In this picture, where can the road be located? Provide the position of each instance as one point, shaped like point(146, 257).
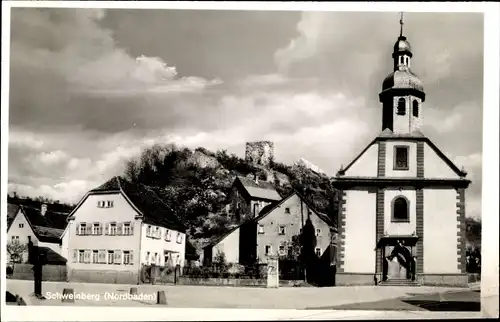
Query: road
point(183, 296)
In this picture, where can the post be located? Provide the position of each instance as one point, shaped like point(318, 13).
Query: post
point(273, 272)
point(39, 259)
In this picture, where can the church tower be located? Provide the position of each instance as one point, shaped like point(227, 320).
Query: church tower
point(402, 92)
point(401, 199)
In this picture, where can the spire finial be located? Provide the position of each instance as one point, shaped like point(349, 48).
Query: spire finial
point(401, 22)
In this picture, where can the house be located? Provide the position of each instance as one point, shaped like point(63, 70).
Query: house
point(42, 226)
point(248, 196)
point(278, 224)
point(271, 232)
point(117, 228)
point(402, 214)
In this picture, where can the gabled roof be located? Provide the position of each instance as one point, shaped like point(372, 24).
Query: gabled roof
point(12, 211)
point(45, 227)
point(259, 189)
point(217, 239)
point(143, 199)
point(269, 210)
point(417, 135)
point(53, 258)
point(47, 234)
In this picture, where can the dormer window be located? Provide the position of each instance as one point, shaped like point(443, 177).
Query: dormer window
point(401, 109)
point(415, 108)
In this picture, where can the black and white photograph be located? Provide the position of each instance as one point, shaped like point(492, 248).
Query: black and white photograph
point(325, 160)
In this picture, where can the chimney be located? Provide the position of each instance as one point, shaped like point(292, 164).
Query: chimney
point(43, 209)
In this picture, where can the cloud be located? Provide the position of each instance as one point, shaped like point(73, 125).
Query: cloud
point(90, 89)
point(66, 68)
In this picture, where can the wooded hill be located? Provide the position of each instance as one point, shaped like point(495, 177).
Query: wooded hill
point(196, 183)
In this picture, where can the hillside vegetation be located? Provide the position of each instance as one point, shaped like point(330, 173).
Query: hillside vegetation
point(196, 183)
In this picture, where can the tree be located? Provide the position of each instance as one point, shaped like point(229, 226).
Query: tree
point(220, 261)
point(16, 251)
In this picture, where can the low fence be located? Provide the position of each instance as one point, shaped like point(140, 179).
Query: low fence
point(53, 273)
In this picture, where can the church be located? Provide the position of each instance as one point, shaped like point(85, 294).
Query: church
point(402, 201)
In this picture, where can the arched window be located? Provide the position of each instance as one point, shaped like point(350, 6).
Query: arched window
point(400, 209)
point(401, 106)
point(415, 108)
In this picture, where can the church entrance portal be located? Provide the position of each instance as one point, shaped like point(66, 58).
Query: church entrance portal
point(398, 262)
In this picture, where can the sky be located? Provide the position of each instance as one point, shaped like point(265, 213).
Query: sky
point(91, 88)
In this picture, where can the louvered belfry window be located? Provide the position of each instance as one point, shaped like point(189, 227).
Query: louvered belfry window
point(401, 110)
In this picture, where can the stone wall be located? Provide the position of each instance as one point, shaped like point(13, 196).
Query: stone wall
point(183, 280)
point(103, 276)
point(260, 153)
point(53, 273)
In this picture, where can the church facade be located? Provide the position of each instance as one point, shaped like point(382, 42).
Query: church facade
point(402, 201)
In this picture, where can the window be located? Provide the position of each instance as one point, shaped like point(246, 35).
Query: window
point(287, 210)
point(126, 257)
point(415, 108)
point(95, 256)
point(261, 229)
point(96, 229)
point(401, 106)
point(155, 258)
point(268, 249)
point(179, 238)
point(400, 209)
point(15, 238)
point(318, 232)
point(157, 232)
point(282, 249)
point(317, 251)
point(81, 256)
point(111, 257)
point(282, 230)
point(147, 258)
point(82, 229)
point(105, 204)
point(168, 235)
point(112, 228)
point(127, 228)
point(148, 231)
point(21, 225)
point(401, 158)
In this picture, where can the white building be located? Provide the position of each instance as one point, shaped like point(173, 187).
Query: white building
point(42, 226)
point(117, 228)
point(402, 209)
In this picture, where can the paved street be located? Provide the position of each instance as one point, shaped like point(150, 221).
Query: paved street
point(182, 296)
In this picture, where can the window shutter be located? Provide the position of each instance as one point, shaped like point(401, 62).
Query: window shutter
point(75, 255)
point(106, 229)
point(131, 260)
point(78, 229)
point(86, 256)
point(100, 229)
point(119, 228)
point(88, 229)
point(102, 256)
point(118, 257)
point(131, 228)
